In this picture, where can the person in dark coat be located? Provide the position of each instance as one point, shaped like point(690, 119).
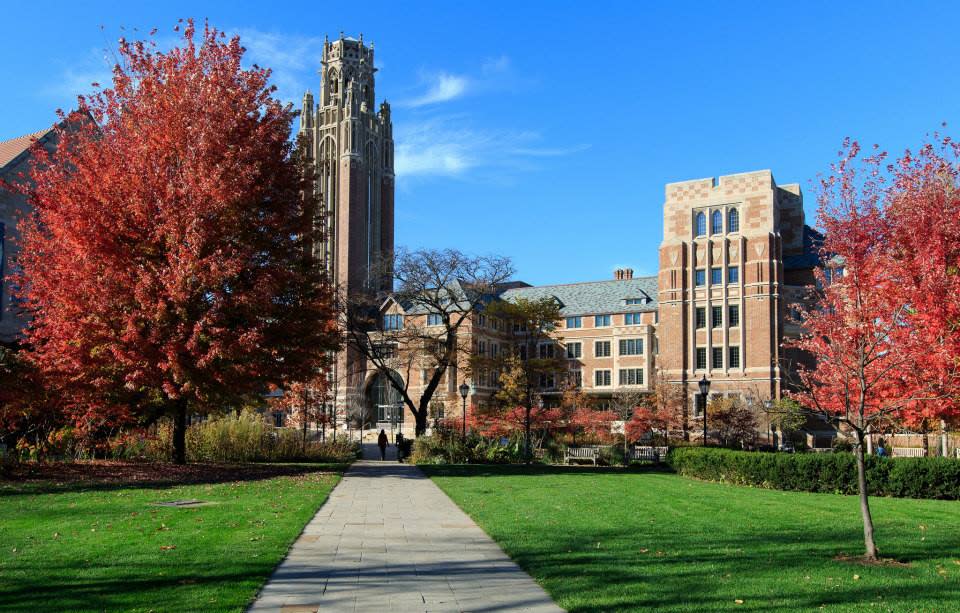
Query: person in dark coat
point(382, 444)
point(400, 447)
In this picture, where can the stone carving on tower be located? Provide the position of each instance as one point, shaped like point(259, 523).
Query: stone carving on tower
point(350, 145)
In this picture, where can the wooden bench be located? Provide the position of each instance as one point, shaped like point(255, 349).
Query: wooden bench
point(581, 454)
point(652, 454)
point(909, 452)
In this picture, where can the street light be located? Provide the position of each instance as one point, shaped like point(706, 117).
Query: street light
point(704, 390)
point(768, 407)
point(464, 390)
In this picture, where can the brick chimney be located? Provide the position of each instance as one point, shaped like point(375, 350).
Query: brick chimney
point(622, 274)
point(618, 274)
point(627, 273)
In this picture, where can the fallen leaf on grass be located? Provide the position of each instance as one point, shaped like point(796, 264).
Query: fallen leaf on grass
point(738, 601)
point(167, 547)
point(856, 577)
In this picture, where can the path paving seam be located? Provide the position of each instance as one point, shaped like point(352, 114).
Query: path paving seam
point(388, 539)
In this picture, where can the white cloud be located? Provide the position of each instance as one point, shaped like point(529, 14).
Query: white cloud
point(451, 147)
point(441, 87)
point(291, 58)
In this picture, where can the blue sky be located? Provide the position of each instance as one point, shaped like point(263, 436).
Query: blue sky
point(546, 131)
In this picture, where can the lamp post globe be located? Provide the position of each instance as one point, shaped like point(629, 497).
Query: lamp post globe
point(704, 390)
point(464, 390)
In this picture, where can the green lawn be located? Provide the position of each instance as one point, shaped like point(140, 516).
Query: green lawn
point(606, 540)
point(68, 545)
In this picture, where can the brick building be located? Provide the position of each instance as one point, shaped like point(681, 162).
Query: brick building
point(735, 253)
point(14, 159)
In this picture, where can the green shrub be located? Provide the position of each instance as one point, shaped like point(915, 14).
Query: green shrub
point(821, 472)
point(449, 448)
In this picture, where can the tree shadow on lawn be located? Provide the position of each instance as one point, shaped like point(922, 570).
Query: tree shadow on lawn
point(759, 569)
point(107, 475)
point(103, 587)
point(702, 558)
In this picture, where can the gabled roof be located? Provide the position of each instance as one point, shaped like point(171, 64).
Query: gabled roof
point(11, 149)
point(594, 297)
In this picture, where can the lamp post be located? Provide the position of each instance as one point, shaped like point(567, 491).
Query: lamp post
point(464, 390)
point(704, 390)
point(768, 408)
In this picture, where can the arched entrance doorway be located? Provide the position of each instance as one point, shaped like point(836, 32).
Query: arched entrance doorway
point(384, 402)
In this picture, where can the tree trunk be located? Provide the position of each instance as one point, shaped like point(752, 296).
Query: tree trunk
point(871, 547)
point(421, 422)
point(180, 432)
point(526, 437)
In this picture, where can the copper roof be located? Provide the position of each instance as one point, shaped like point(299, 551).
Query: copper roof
point(10, 149)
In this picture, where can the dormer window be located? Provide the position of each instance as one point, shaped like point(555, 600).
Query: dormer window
point(393, 322)
point(636, 301)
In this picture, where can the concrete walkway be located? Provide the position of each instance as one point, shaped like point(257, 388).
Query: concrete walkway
point(389, 540)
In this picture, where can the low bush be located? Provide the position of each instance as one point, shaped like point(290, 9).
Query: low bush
point(246, 437)
point(449, 448)
point(821, 472)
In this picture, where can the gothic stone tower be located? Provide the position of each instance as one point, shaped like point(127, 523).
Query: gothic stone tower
point(722, 285)
point(351, 147)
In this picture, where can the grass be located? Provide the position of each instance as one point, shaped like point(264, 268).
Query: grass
point(79, 545)
point(608, 540)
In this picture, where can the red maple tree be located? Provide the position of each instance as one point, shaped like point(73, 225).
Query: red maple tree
point(873, 361)
point(166, 263)
point(923, 227)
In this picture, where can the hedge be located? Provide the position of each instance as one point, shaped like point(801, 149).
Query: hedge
point(821, 472)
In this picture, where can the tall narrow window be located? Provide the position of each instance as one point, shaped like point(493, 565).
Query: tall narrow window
point(699, 277)
point(717, 361)
point(733, 274)
point(733, 221)
point(716, 276)
point(716, 317)
point(700, 317)
point(733, 360)
point(701, 224)
point(701, 358)
point(733, 315)
point(716, 222)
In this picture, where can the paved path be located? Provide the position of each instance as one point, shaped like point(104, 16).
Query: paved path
point(389, 540)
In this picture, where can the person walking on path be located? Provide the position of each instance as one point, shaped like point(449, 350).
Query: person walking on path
point(400, 447)
point(382, 444)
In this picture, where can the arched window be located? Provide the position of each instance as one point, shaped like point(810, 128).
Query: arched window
point(701, 224)
point(716, 222)
point(733, 221)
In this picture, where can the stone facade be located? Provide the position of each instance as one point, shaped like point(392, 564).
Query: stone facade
point(350, 145)
point(723, 284)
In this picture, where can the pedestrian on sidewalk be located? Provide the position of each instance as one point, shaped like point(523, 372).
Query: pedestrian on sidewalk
point(382, 444)
point(400, 447)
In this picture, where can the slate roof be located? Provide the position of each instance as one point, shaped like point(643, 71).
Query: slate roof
point(594, 297)
point(810, 258)
point(11, 149)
